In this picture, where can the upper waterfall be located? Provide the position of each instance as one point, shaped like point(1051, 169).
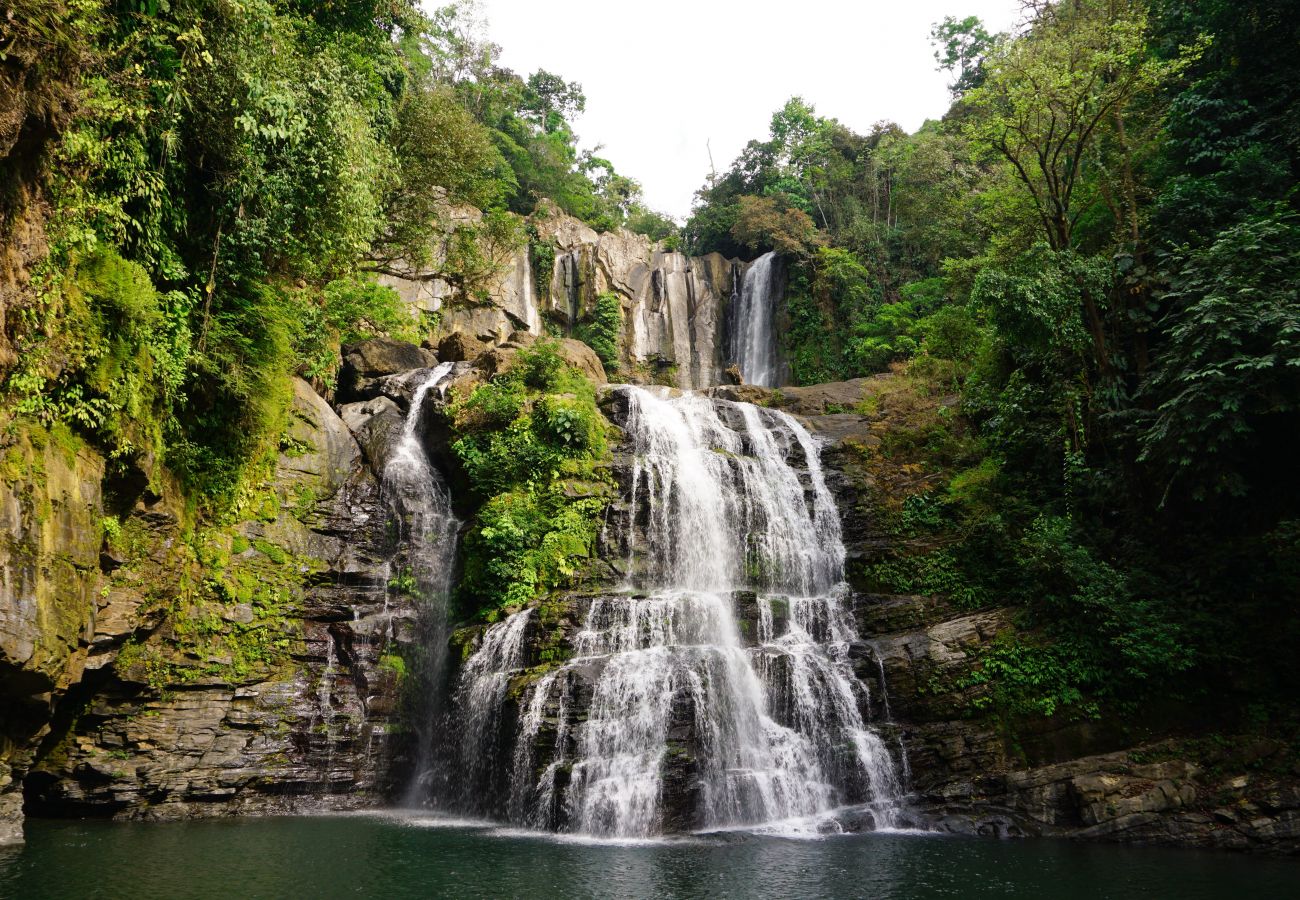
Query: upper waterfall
point(753, 336)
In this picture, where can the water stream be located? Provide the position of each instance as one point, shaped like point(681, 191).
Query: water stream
point(753, 336)
point(419, 503)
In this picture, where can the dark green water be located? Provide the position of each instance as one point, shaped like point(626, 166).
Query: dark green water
point(389, 857)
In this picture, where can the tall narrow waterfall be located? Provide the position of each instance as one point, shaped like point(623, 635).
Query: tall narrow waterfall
point(753, 335)
point(419, 503)
point(669, 715)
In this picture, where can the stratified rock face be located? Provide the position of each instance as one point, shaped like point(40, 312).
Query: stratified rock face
point(51, 507)
point(674, 306)
point(276, 690)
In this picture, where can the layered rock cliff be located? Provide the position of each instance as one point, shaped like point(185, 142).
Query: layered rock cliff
point(674, 307)
point(155, 669)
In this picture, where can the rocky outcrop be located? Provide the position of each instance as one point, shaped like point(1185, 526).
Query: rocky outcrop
point(969, 772)
point(51, 513)
point(169, 674)
point(673, 306)
point(1157, 793)
point(367, 361)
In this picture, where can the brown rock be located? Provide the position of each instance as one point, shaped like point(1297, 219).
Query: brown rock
point(575, 353)
point(460, 347)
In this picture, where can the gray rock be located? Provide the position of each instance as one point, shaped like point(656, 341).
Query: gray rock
point(367, 361)
point(377, 426)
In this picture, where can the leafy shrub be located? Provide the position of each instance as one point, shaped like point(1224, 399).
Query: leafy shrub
point(603, 328)
point(531, 444)
point(346, 310)
point(115, 358)
point(950, 332)
point(1231, 368)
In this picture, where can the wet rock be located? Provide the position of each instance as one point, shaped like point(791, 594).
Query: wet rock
point(180, 729)
point(377, 427)
point(367, 361)
point(50, 546)
point(744, 608)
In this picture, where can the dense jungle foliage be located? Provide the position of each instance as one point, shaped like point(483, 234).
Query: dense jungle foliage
point(1099, 248)
point(223, 177)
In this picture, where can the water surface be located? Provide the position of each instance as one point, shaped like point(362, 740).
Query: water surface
point(396, 856)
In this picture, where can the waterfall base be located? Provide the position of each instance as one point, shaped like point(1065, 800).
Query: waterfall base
point(626, 716)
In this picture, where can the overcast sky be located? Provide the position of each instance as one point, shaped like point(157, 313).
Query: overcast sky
point(664, 77)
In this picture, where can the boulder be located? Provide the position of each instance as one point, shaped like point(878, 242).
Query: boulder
point(575, 353)
point(367, 361)
point(460, 346)
point(377, 426)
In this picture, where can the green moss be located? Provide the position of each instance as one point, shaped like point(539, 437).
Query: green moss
point(271, 551)
point(665, 375)
point(391, 662)
point(404, 582)
point(602, 329)
point(305, 498)
point(541, 256)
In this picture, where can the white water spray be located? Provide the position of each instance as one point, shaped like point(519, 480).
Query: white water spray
point(686, 727)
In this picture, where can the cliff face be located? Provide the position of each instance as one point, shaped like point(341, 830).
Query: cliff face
point(51, 505)
point(155, 670)
point(674, 306)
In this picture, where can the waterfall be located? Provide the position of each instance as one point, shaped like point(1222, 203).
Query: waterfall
point(478, 700)
point(532, 315)
point(325, 703)
point(753, 335)
point(726, 509)
point(419, 503)
point(667, 716)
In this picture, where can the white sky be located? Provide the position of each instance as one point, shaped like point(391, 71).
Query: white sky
point(662, 77)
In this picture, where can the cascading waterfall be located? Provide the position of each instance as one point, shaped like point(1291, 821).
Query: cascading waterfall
point(690, 724)
point(419, 503)
point(753, 332)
